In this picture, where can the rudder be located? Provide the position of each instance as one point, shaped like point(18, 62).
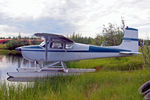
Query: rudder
point(130, 40)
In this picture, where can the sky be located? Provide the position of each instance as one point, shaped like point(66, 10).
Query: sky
point(67, 16)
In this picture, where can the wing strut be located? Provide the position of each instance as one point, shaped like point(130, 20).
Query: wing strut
point(54, 65)
point(46, 49)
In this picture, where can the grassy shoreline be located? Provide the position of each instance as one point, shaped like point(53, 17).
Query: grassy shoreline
point(117, 63)
point(102, 85)
point(115, 79)
point(9, 52)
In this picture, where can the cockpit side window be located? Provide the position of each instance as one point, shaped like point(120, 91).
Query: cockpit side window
point(56, 45)
point(68, 46)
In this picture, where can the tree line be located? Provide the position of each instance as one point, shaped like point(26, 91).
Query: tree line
point(111, 35)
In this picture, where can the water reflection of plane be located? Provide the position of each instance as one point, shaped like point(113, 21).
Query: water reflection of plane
point(26, 63)
point(59, 49)
point(1, 58)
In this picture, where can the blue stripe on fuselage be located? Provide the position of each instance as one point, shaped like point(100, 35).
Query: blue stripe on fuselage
point(58, 50)
point(33, 47)
point(91, 49)
point(101, 49)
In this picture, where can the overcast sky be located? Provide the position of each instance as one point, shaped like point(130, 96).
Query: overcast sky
point(68, 16)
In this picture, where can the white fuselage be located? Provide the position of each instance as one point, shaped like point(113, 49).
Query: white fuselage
point(77, 52)
point(59, 48)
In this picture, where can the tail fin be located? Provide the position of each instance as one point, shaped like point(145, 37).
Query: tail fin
point(130, 40)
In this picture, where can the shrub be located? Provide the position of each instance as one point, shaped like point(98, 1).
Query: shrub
point(146, 55)
point(11, 45)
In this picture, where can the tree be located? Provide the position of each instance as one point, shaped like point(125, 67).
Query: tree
point(11, 45)
point(113, 34)
point(80, 39)
point(19, 36)
point(99, 39)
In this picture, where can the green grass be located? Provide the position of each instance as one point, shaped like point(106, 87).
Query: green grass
point(2, 46)
point(122, 63)
point(115, 79)
point(102, 85)
point(9, 52)
point(4, 50)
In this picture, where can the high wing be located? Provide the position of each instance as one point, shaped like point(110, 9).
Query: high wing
point(54, 36)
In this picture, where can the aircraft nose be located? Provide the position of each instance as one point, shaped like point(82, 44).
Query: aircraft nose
point(18, 49)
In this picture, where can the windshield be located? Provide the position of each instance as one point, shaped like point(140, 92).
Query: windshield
point(42, 44)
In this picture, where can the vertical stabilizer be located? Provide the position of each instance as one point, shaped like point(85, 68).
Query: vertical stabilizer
point(130, 40)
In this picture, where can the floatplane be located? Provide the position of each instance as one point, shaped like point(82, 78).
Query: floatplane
point(58, 49)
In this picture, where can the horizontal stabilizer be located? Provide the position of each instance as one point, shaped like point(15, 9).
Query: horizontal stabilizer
point(130, 53)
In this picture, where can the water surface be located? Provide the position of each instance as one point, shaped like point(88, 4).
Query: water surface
point(9, 63)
